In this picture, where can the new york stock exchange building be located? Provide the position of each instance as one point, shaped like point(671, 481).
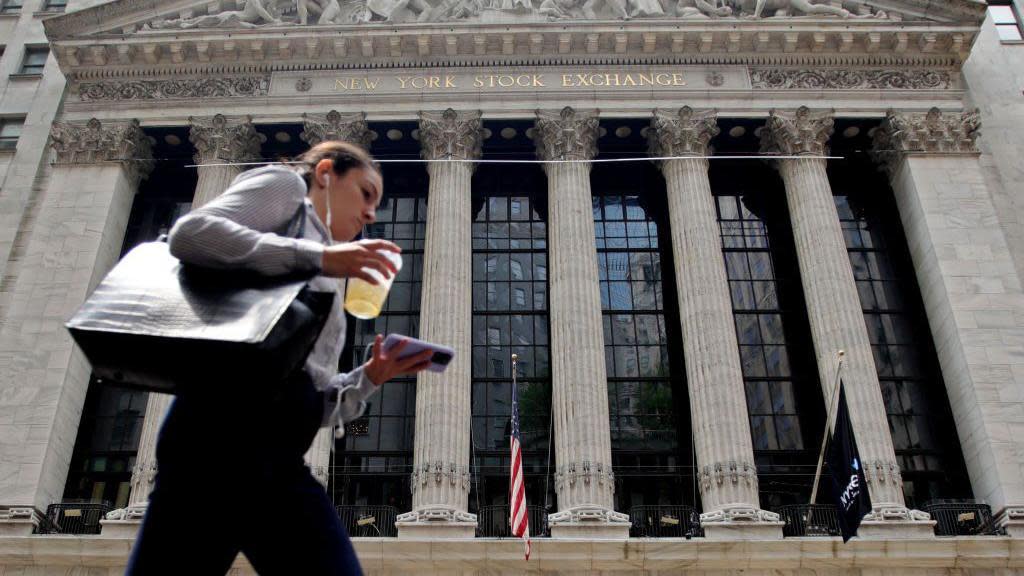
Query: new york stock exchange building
point(676, 213)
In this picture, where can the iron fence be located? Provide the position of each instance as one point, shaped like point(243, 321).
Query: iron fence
point(810, 520)
point(493, 522)
point(368, 521)
point(962, 518)
point(664, 522)
point(74, 517)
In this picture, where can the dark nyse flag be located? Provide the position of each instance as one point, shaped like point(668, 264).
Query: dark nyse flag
point(849, 488)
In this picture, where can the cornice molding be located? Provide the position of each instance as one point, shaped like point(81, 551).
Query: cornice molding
point(451, 135)
point(768, 43)
point(933, 132)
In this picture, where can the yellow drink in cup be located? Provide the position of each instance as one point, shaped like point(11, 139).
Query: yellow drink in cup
point(364, 300)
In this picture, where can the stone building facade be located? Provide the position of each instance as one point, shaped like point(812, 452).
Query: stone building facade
point(676, 214)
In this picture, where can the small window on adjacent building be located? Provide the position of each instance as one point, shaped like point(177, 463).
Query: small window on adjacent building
point(10, 6)
point(35, 59)
point(1004, 15)
point(10, 131)
point(55, 5)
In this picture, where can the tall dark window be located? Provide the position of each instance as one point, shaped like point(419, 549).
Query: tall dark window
point(510, 316)
point(374, 460)
point(922, 427)
point(783, 395)
point(111, 424)
point(649, 418)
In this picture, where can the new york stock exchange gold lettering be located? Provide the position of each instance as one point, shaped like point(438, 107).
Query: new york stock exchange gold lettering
point(498, 81)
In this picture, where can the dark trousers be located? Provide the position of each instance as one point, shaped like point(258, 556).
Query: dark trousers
point(231, 478)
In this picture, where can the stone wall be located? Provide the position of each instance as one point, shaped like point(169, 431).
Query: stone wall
point(994, 75)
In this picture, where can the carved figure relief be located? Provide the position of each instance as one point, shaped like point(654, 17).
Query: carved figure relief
point(259, 13)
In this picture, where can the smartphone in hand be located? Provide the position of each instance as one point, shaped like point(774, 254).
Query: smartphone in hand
point(442, 357)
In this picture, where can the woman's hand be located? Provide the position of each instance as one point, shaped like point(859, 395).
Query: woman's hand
point(348, 260)
point(386, 365)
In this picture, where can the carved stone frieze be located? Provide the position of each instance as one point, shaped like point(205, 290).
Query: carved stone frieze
point(319, 128)
point(566, 135)
point(730, 514)
point(802, 133)
point(585, 472)
point(850, 79)
point(220, 87)
point(451, 134)
point(94, 142)
point(276, 13)
point(223, 139)
point(933, 132)
point(588, 514)
point(682, 133)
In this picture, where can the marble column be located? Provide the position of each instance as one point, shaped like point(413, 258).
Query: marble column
point(334, 125)
point(317, 128)
point(441, 478)
point(72, 241)
point(721, 426)
point(219, 141)
point(584, 480)
point(971, 291)
point(833, 306)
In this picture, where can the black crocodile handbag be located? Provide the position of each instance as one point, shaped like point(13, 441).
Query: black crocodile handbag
point(158, 325)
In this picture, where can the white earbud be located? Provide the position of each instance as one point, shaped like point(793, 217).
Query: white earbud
point(327, 198)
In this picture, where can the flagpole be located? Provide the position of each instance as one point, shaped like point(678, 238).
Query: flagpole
point(830, 414)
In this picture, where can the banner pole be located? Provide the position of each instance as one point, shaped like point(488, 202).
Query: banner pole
point(832, 405)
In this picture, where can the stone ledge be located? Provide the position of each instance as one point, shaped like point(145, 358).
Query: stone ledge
point(48, 554)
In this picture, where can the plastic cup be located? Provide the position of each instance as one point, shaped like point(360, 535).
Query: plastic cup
point(364, 300)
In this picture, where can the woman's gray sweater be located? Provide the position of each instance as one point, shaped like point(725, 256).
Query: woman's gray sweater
point(235, 231)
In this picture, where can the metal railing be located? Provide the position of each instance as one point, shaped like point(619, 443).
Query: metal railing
point(962, 518)
point(809, 520)
point(664, 522)
point(368, 521)
point(493, 522)
point(74, 517)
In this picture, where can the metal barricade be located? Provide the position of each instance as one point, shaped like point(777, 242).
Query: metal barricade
point(368, 521)
point(74, 517)
point(664, 522)
point(809, 520)
point(962, 518)
point(493, 522)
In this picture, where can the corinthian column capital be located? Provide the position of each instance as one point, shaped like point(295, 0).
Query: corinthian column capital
point(802, 133)
point(566, 135)
point(451, 134)
point(683, 132)
point(334, 125)
point(95, 142)
point(223, 139)
point(932, 132)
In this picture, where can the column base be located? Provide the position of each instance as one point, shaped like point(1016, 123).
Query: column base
point(896, 523)
point(123, 522)
point(19, 520)
point(741, 523)
point(589, 522)
point(1011, 519)
point(436, 523)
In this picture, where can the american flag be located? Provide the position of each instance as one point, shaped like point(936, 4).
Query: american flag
point(519, 520)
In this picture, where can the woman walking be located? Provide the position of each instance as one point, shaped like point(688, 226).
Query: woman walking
point(231, 476)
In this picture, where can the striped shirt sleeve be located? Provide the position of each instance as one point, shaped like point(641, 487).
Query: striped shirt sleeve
point(237, 229)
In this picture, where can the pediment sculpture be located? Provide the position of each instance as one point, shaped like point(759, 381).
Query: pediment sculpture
point(267, 13)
